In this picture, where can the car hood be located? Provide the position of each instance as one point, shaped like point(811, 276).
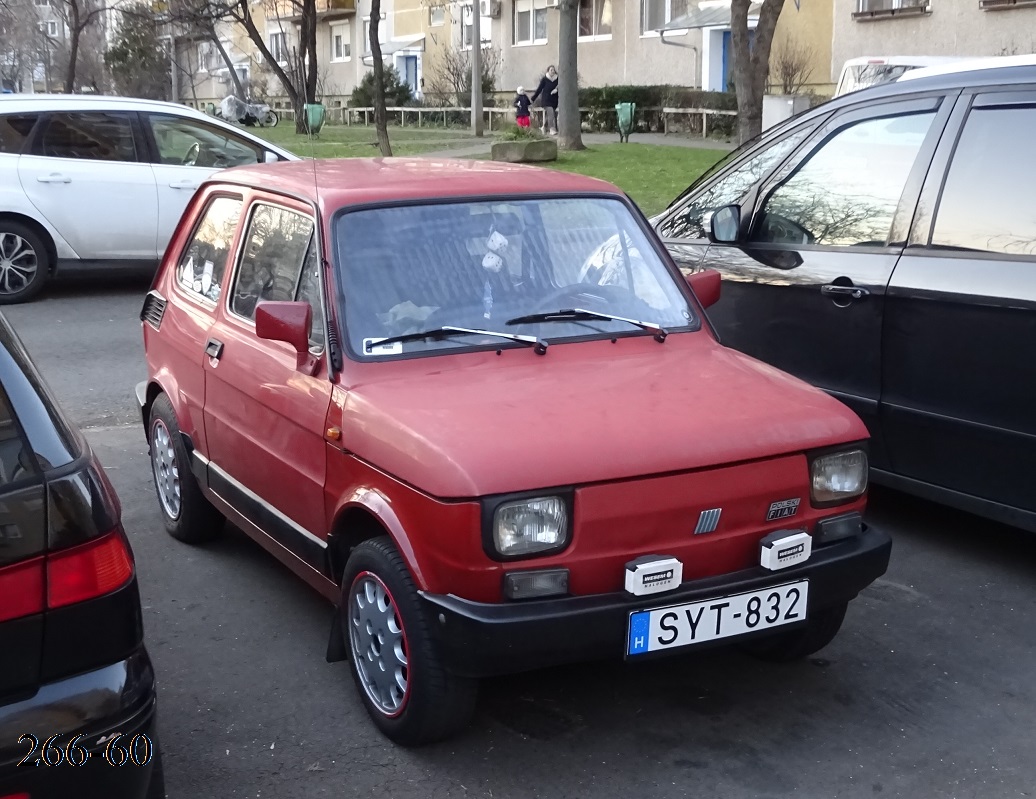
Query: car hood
point(474, 424)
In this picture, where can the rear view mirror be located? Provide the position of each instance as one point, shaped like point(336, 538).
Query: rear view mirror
point(725, 224)
point(271, 158)
point(288, 322)
point(706, 286)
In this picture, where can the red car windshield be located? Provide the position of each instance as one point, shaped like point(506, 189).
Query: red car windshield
point(482, 265)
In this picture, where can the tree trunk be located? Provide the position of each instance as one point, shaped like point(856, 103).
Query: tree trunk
point(306, 64)
point(380, 114)
point(477, 116)
point(229, 64)
point(569, 126)
point(243, 14)
point(751, 63)
point(74, 30)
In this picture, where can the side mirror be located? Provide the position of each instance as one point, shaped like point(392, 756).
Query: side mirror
point(706, 286)
point(725, 224)
point(271, 157)
point(288, 322)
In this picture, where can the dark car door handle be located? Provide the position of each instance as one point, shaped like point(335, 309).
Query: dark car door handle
point(214, 349)
point(834, 290)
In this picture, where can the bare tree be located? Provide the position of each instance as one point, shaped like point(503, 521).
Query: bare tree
point(751, 62)
point(380, 113)
point(791, 64)
point(448, 78)
point(79, 16)
point(570, 135)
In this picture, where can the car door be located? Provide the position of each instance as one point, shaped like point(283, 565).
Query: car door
point(184, 152)
point(960, 327)
point(806, 287)
point(264, 418)
point(87, 174)
point(684, 226)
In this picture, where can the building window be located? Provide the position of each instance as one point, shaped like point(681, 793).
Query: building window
point(41, 3)
point(595, 18)
point(382, 32)
point(50, 28)
point(485, 29)
point(436, 16)
point(530, 21)
point(656, 14)
point(279, 46)
point(866, 9)
point(341, 39)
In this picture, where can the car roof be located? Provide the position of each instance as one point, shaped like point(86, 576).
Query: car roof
point(971, 65)
point(907, 60)
point(57, 102)
point(339, 182)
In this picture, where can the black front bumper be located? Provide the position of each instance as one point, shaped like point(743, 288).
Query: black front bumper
point(119, 698)
point(480, 639)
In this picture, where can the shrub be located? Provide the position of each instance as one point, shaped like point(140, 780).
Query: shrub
point(397, 92)
point(600, 102)
point(518, 133)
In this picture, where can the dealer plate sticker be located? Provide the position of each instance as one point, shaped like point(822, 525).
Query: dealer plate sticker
point(681, 625)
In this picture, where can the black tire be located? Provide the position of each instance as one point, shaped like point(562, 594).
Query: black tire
point(813, 636)
point(436, 704)
point(15, 285)
point(271, 119)
point(195, 521)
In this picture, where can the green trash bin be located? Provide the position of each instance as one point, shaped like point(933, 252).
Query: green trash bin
point(315, 116)
point(625, 112)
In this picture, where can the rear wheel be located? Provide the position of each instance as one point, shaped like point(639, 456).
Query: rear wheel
point(271, 119)
point(409, 695)
point(814, 635)
point(188, 515)
point(25, 263)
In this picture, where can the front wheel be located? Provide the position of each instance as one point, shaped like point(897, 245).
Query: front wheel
point(408, 693)
point(814, 635)
point(24, 263)
point(271, 119)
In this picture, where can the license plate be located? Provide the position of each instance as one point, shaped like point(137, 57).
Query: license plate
point(681, 625)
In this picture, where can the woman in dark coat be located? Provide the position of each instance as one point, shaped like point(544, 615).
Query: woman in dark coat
point(547, 92)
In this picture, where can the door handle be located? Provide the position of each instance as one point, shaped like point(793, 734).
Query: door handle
point(54, 177)
point(214, 348)
point(184, 184)
point(851, 292)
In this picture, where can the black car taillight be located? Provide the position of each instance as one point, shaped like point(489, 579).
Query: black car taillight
point(22, 589)
point(88, 570)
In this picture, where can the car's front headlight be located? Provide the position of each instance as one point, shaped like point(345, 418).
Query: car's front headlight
point(530, 526)
point(838, 477)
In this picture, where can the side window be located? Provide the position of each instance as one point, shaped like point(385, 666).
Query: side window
point(846, 191)
point(94, 136)
point(985, 204)
point(14, 131)
point(689, 221)
point(204, 261)
point(309, 291)
point(271, 261)
point(16, 459)
point(188, 142)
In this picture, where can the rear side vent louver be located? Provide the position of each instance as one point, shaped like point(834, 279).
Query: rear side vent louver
point(153, 310)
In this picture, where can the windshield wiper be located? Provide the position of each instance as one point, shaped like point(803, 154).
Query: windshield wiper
point(449, 330)
point(577, 314)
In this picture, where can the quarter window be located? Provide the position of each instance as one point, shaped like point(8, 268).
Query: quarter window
point(846, 192)
point(14, 131)
point(95, 136)
point(16, 459)
point(984, 204)
point(271, 263)
point(191, 143)
point(204, 262)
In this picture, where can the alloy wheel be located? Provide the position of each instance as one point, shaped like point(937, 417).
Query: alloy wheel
point(166, 472)
point(18, 263)
point(378, 644)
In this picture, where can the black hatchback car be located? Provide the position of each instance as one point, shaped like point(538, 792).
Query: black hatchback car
point(77, 691)
point(882, 246)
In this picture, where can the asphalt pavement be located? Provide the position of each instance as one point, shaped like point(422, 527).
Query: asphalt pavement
point(928, 691)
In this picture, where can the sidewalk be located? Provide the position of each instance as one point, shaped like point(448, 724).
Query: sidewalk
point(478, 148)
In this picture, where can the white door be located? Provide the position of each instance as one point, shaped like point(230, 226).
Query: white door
point(190, 150)
point(87, 175)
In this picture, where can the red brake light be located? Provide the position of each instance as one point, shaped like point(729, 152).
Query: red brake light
point(87, 571)
point(21, 586)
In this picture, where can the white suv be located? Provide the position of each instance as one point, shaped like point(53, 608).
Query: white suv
point(102, 180)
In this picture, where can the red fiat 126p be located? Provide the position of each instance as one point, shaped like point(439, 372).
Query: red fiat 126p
point(479, 409)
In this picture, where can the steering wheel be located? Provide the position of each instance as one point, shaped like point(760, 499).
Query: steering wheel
point(781, 230)
point(191, 156)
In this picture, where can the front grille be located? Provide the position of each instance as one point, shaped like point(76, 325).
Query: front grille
point(153, 310)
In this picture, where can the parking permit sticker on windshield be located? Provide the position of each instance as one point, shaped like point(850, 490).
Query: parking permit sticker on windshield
point(395, 348)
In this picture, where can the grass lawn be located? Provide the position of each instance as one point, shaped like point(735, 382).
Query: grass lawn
point(651, 174)
point(344, 141)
